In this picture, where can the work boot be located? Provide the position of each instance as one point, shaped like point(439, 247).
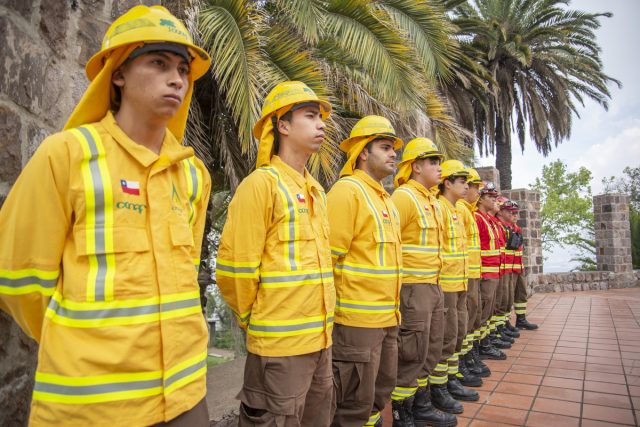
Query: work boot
point(465, 376)
point(475, 356)
point(425, 414)
point(442, 400)
point(502, 334)
point(513, 329)
point(458, 392)
point(497, 342)
point(508, 332)
point(523, 323)
point(379, 422)
point(402, 413)
point(488, 351)
point(467, 359)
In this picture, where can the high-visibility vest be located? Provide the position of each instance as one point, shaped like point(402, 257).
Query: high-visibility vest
point(473, 237)
point(366, 250)
point(509, 254)
point(454, 274)
point(99, 247)
point(517, 259)
point(421, 222)
point(489, 246)
point(274, 262)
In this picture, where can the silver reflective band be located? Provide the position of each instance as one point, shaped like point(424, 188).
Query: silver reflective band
point(27, 281)
point(81, 390)
point(295, 277)
point(121, 312)
point(364, 306)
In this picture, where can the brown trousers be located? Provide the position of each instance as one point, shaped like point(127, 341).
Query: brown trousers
point(198, 416)
point(455, 327)
point(287, 391)
point(474, 306)
point(488, 289)
point(520, 292)
point(365, 364)
point(421, 332)
point(502, 294)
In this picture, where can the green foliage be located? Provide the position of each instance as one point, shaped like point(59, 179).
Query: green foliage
point(224, 339)
point(566, 209)
point(214, 360)
point(635, 238)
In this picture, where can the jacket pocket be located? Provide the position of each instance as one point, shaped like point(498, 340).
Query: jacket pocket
point(184, 256)
point(410, 342)
point(266, 409)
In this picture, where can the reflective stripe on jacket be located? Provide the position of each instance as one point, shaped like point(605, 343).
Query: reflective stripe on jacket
point(489, 246)
point(473, 238)
point(454, 273)
point(517, 254)
point(365, 245)
point(99, 247)
point(274, 262)
point(421, 222)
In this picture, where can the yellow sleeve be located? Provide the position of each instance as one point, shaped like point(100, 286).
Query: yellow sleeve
point(34, 224)
point(242, 244)
point(200, 211)
point(405, 206)
point(342, 209)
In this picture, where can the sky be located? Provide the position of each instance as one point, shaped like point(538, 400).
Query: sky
point(605, 142)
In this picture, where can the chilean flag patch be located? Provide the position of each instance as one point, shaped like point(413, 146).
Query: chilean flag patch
point(385, 214)
point(130, 187)
point(300, 198)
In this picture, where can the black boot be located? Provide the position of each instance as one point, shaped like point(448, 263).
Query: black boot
point(442, 400)
point(402, 413)
point(508, 332)
point(467, 359)
point(523, 323)
point(465, 376)
point(513, 329)
point(488, 351)
point(475, 356)
point(497, 342)
point(425, 414)
point(502, 334)
point(458, 392)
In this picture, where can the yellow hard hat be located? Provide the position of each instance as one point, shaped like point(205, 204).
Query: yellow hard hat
point(474, 177)
point(420, 148)
point(453, 168)
point(371, 126)
point(287, 94)
point(148, 24)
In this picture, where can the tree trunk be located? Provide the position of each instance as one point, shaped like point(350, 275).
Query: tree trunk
point(503, 156)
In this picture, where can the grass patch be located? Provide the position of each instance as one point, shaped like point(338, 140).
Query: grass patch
point(215, 360)
point(223, 339)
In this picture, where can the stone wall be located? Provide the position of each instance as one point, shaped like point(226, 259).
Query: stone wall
point(613, 232)
point(584, 281)
point(44, 45)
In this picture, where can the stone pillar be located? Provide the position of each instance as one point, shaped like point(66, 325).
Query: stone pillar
point(489, 173)
point(613, 233)
point(529, 202)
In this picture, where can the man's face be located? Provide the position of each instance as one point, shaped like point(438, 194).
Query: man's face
point(473, 193)
point(458, 188)
point(514, 217)
point(379, 160)
point(305, 131)
point(153, 85)
point(427, 171)
point(488, 202)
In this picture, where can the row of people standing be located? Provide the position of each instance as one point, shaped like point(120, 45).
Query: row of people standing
point(355, 298)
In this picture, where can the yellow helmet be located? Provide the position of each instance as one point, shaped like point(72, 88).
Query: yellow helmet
point(474, 177)
point(371, 126)
point(420, 148)
point(148, 24)
point(453, 168)
point(288, 94)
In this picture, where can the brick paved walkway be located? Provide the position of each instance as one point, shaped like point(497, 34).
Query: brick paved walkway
point(581, 368)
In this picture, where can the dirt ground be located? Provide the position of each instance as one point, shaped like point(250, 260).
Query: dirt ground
point(223, 384)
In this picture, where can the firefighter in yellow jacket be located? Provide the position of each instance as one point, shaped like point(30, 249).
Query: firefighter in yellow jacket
point(445, 383)
point(274, 267)
point(365, 246)
point(100, 240)
point(421, 298)
point(470, 364)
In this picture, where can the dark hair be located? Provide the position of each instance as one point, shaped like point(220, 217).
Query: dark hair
point(451, 179)
point(366, 147)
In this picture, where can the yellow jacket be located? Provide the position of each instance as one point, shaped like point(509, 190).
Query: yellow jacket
point(274, 262)
point(421, 221)
point(455, 268)
point(99, 247)
point(366, 249)
point(466, 211)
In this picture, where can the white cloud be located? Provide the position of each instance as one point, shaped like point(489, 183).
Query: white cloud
point(611, 156)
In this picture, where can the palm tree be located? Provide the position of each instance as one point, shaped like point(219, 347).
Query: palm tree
point(366, 57)
point(543, 59)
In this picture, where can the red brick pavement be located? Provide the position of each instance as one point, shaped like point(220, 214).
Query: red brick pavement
point(580, 368)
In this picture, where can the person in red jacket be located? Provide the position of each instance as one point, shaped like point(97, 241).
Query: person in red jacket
point(490, 268)
point(512, 240)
